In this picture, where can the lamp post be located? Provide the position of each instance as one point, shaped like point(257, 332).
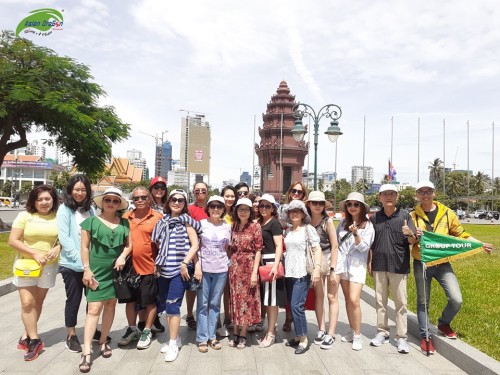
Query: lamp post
point(332, 111)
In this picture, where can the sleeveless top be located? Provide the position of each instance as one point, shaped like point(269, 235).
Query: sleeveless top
point(324, 239)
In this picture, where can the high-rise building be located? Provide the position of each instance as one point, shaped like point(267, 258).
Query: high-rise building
point(166, 158)
point(135, 158)
point(246, 178)
point(34, 148)
point(281, 157)
point(195, 144)
point(358, 173)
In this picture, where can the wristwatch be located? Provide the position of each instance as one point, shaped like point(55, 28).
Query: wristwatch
point(332, 269)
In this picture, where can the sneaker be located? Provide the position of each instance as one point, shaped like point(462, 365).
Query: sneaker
point(141, 326)
point(34, 349)
point(73, 344)
point(357, 342)
point(320, 337)
point(23, 344)
point(423, 346)
point(130, 335)
point(447, 331)
point(145, 340)
point(157, 326)
point(403, 347)
point(327, 342)
point(348, 337)
point(165, 346)
point(379, 340)
point(97, 337)
point(172, 353)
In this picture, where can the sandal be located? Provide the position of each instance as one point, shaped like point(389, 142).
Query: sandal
point(287, 326)
point(203, 347)
point(268, 340)
point(106, 352)
point(85, 365)
point(215, 344)
point(242, 342)
point(234, 341)
point(191, 322)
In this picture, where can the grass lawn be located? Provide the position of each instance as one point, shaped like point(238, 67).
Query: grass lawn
point(478, 322)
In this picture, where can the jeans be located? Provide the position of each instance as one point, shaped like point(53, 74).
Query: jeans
point(208, 305)
point(171, 291)
point(73, 283)
point(297, 294)
point(444, 275)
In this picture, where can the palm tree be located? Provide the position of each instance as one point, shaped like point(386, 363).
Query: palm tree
point(479, 183)
point(436, 170)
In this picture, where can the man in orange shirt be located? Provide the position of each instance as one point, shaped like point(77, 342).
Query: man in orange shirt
point(142, 222)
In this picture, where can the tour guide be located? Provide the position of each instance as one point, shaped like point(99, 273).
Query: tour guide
point(435, 217)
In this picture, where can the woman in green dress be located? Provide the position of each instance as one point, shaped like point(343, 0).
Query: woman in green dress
point(105, 237)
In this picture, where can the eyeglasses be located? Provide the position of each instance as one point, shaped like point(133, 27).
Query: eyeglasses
point(425, 192)
point(295, 191)
point(175, 200)
point(159, 187)
point(140, 198)
point(318, 203)
point(243, 192)
point(244, 210)
point(200, 191)
point(114, 201)
point(216, 206)
point(352, 204)
point(265, 206)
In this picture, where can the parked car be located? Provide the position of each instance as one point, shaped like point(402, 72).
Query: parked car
point(477, 213)
point(493, 215)
point(481, 215)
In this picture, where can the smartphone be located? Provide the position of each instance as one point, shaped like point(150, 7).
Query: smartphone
point(94, 283)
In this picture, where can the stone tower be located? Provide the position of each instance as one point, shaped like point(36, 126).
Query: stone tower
point(278, 123)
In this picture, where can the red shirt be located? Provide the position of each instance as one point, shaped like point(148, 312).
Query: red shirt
point(197, 213)
point(144, 251)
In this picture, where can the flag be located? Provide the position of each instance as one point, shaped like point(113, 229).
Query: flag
point(440, 248)
point(391, 174)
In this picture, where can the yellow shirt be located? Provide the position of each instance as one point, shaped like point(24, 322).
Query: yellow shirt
point(39, 231)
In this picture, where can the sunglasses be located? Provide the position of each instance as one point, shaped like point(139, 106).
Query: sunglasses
point(352, 204)
point(175, 200)
point(140, 198)
point(245, 193)
point(318, 203)
point(159, 187)
point(216, 206)
point(265, 206)
point(114, 201)
point(200, 191)
point(295, 191)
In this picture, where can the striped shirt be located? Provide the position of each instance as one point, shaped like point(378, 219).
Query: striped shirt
point(173, 243)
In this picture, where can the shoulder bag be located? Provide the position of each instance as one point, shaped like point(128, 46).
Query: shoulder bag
point(310, 263)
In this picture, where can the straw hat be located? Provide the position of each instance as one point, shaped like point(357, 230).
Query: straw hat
point(111, 192)
point(354, 196)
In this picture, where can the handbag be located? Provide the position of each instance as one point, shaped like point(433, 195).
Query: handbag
point(310, 263)
point(265, 270)
point(27, 268)
point(125, 280)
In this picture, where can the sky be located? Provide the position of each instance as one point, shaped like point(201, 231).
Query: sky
point(383, 62)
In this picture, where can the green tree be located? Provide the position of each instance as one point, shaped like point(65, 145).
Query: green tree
point(362, 186)
point(41, 91)
point(60, 180)
point(436, 171)
point(479, 183)
point(6, 189)
point(407, 198)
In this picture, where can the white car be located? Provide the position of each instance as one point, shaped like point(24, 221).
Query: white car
point(477, 213)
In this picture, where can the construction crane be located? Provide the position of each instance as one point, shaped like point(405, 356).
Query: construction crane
point(158, 151)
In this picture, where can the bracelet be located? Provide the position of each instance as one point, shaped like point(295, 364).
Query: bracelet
point(86, 266)
point(332, 269)
point(184, 263)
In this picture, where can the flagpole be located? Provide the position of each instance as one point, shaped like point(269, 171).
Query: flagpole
point(492, 165)
point(468, 175)
point(418, 150)
point(424, 275)
point(364, 134)
point(444, 158)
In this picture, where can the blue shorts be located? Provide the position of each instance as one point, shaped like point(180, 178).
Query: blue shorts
point(171, 293)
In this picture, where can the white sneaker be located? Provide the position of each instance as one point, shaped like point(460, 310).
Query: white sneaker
point(164, 347)
point(403, 347)
point(357, 342)
point(145, 340)
point(172, 353)
point(320, 336)
point(379, 340)
point(348, 337)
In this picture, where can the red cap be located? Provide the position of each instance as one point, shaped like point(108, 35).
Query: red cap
point(158, 179)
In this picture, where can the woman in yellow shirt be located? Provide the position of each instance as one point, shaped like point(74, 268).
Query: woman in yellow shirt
point(34, 236)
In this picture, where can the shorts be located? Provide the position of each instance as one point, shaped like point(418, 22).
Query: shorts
point(46, 280)
point(356, 272)
point(145, 294)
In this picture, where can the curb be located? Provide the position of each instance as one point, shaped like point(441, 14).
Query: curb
point(469, 359)
point(7, 286)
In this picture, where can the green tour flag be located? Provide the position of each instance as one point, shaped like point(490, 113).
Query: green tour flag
point(439, 248)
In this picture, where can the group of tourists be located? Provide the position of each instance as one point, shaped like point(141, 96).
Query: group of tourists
point(243, 251)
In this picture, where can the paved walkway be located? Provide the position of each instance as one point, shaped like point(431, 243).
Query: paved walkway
point(278, 359)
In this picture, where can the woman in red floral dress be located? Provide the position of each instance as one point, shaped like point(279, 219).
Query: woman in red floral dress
point(246, 245)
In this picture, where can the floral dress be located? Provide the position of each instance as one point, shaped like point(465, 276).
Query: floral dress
point(245, 299)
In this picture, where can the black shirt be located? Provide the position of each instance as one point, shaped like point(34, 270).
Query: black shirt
point(391, 249)
point(269, 230)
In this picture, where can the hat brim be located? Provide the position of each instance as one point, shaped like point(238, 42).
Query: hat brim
point(343, 208)
point(98, 200)
point(307, 218)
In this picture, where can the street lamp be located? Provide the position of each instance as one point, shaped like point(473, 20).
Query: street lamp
point(332, 111)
